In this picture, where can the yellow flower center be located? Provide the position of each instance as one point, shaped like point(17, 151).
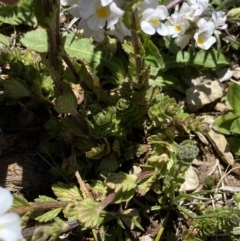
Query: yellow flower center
point(177, 28)
point(154, 21)
point(102, 12)
point(200, 41)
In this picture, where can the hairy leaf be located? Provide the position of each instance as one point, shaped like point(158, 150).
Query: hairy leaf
point(66, 192)
point(35, 40)
point(48, 216)
point(89, 213)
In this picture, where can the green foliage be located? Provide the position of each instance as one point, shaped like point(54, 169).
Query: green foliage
point(213, 220)
point(20, 14)
point(187, 151)
point(89, 213)
point(109, 120)
point(229, 123)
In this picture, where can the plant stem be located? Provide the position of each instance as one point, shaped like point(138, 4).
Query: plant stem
point(172, 4)
point(161, 229)
point(36, 206)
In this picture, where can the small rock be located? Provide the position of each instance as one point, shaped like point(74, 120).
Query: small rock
point(219, 143)
point(193, 81)
point(224, 74)
point(200, 95)
point(191, 181)
point(222, 107)
point(236, 73)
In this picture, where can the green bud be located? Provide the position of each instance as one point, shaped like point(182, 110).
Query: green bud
point(101, 118)
point(16, 88)
point(187, 151)
point(66, 103)
point(123, 104)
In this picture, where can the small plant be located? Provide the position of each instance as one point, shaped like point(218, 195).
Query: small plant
point(118, 144)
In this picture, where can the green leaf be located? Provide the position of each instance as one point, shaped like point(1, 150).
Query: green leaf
point(48, 216)
point(233, 96)
point(121, 181)
point(224, 123)
point(16, 88)
point(43, 198)
point(4, 41)
point(235, 128)
point(72, 126)
point(66, 192)
point(89, 213)
point(208, 59)
point(66, 103)
point(152, 55)
point(84, 49)
point(19, 200)
point(35, 40)
point(96, 152)
point(165, 80)
point(234, 143)
point(233, 13)
point(21, 13)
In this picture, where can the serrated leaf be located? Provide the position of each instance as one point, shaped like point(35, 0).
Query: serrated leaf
point(121, 181)
point(224, 123)
point(89, 213)
point(48, 216)
point(66, 192)
point(233, 96)
point(19, 200)
point(43, 198)
point(66, 103)
point(35, 40)
point(19, 14)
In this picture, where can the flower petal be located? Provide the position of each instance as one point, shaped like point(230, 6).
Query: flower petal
point(147, 28)
point(10, 228)
point(6, 200)
point(96, 23)
point(162, 30)
point(87, 8)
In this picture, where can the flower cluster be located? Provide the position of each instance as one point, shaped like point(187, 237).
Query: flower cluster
point(99, 17)
point(194, 20)
point(10, 227)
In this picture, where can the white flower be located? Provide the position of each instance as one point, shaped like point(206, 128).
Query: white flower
point(98, 35)
point(183, 40)
point(120, 31)
point(99, 15)
point(203, 36)
point(187, 12)
point(193, 9)
point(199, 6)
point(151, 21)
point(68, 2)
point(219, 19)
point(10, 227)
point(177, 25)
